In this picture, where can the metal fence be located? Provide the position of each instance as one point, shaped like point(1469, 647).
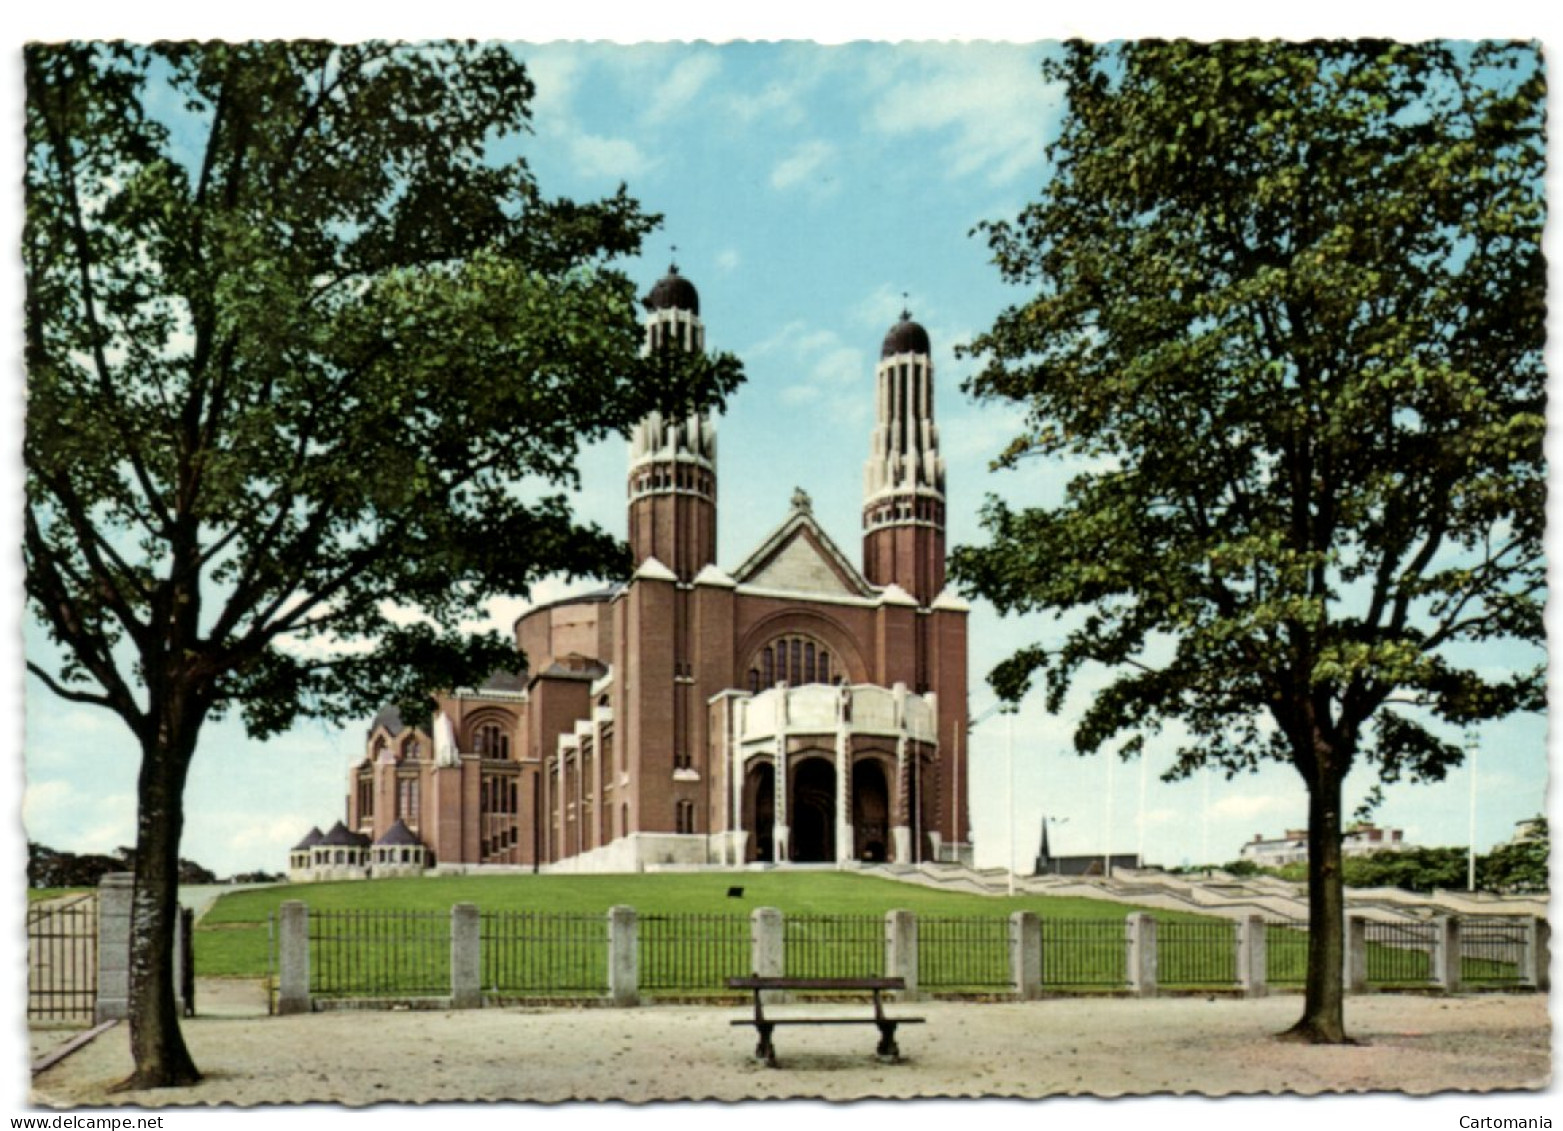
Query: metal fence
point(834, 946)
point(1400, 954)
point(1196, 953)
point(1286, 951)
point(62, 960)
point(1493, 950)
point(379, 953)
point(1084, 952)
point(693, 952)
point(543, 952)
point(964, 953)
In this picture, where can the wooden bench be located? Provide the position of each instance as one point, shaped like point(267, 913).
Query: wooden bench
point(766, 1050)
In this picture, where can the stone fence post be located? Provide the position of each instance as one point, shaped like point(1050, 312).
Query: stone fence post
point(1356, 955)
point(623, 956)
point(1142, 957)
point(1025, 954)
point(114, 892)
point(768, 948)
point(1446, 953)
point(1252, 957)
point(901, 950)
point(466, 957)
point(1536, 962)
point(293, 957)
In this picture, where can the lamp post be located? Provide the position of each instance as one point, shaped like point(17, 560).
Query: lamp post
point(1470, 869)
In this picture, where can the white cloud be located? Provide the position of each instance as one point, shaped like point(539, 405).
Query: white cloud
point(727, 259)
point(991, 102)
point(57, 814)
point(683, 84)
point(614, 157)
point(1258, 807)
point(555, 72)
point(780, 103)
point(802, 165)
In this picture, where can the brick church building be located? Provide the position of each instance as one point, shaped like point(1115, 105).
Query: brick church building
point(796, 707)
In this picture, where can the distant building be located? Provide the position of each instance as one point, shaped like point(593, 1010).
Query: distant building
point(800, 708)
point(1096, 864)
point(1359, 840)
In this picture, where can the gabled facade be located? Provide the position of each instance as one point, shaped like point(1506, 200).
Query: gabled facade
point(798, 709)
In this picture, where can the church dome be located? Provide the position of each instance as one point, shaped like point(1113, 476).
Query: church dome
point(905, 336)
point(674, 292)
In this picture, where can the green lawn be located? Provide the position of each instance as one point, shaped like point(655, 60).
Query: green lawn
point(37, 895)
point(231, 938)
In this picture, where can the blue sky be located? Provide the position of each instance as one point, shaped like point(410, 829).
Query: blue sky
point(811, 192)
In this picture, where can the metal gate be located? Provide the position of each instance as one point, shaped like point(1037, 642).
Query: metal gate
point(62, 959)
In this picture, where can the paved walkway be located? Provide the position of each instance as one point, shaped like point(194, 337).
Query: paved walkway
point(1075, 1046)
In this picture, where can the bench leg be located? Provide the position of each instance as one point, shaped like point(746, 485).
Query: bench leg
point(766, 1049)
point(888, 1049)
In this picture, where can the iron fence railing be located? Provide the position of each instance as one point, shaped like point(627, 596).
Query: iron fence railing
point(1400, 954)
point(1202, 953)
point(543, 952)
point(1084, 952)
point(1286, 951)
point(62, 960)
point(1493, 949)
point(834, 946)
point(379, 953)
point(693, 952)
point(966, 952)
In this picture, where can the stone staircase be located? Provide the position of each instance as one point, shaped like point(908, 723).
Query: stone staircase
point(1212, 893)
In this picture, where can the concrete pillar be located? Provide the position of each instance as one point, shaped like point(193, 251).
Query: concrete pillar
point(1355, 980)
point(293, 957)
point(1143, 963)
point(466, 957)
point(1445, 959)
point(901, 950)
point(768, 949)
point(901, 834)
point(1252, 957)
point(1536, 962)
point(114, 892)
point(1025, 954)
point(623, 956)
point(844, 835)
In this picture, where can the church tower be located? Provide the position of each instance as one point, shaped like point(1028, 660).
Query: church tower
point(672, 476)
point(903, 490)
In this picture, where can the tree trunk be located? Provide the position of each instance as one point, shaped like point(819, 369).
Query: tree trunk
point(156, 1043)
point(1323, 1020)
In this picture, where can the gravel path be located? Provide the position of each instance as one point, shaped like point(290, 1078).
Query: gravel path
point(1414, 1045)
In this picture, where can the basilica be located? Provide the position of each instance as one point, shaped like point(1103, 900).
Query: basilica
point(796, 707)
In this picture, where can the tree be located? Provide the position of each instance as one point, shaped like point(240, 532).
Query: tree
point(1522, 864)
point(307, 370)
point(1286, 317)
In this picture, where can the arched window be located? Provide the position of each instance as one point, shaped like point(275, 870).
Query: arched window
point(493, 742)
point(794, 660)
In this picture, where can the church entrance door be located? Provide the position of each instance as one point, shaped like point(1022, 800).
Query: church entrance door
point(814, 811)
point(870, 813)
point(761, 788)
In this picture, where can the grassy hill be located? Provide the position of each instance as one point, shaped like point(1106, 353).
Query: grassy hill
point(231, 937)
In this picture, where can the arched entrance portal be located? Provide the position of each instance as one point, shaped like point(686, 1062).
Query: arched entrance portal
point(813, 807)
point(761, 790)
point(870, 813)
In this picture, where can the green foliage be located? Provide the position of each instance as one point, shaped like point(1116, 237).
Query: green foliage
point(298, 347)
point(1414, 869)
point(1287, 318)
point(1519, 866)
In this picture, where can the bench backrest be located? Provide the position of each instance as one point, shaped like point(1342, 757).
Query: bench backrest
point(756, 982)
